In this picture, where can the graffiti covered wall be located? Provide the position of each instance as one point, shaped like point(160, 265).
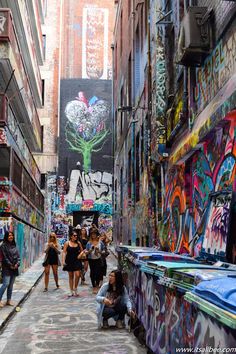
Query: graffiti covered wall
point(85, 147)
point(190, 209)
point(217, 69)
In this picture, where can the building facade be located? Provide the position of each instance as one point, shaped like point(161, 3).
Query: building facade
point(83, 185)
point(21, 54)
point(190, 130)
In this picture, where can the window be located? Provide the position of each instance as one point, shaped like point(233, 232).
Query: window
point(5, 162)
point(129, 171)
point(17, 172)
point(137, 63)
point(116, 61)
point(44, 46)
point(142, 148)
point(121, 191)
point(141, 27)
point(121, 33)
point(129, 7)
point(121, 113)
point(44, 4)
point(115, 196)
point(43, 92)
point(26, 182)
point(129, 82)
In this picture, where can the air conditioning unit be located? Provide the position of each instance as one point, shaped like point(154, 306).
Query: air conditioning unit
point(195, 37)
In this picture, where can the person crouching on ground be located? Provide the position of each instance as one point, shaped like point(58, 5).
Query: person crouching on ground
point(52, 251)
point(71, 263)
point(10, 266)
point(113, 301)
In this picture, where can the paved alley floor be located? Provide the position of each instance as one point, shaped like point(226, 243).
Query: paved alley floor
point(52, 322)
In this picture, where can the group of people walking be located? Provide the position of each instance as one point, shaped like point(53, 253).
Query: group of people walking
point(79, 252)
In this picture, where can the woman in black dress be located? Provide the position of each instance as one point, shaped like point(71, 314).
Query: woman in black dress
point(71, 263)
point(10, 265)
point(52, 251)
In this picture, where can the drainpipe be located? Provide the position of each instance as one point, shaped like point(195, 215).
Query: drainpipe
point(133, 194)
point(150, 123)
point(113, 138)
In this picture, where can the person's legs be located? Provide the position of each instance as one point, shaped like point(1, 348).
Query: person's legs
point(46, 276)
point(92, 272)
point(85, 266)
point(76, 281)
point(9, 289)
point(5, 283)
point(71, 282)
point(108, 312)
point(97, 272)
point(120, 310)
point(55, 274)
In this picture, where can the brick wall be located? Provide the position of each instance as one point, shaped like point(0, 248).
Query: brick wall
point(50, 74)
point(223, 12)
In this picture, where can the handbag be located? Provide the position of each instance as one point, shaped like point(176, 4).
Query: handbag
point(65, 268)
point(45, 262)
point(82, 255)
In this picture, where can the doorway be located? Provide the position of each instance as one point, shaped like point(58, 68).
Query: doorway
point(85, 218)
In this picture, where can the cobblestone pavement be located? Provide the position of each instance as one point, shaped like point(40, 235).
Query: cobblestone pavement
point(52, 322)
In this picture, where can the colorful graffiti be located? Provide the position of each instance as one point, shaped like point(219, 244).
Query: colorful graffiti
point(5, 198)
point(210, 332)
point(85, 130)
point(30, 243)
point(5, 225)
point(22, 209)
point(216, 70)
point(3, 136)
point(190, 212)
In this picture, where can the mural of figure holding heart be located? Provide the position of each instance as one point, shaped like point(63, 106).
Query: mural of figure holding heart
point(85, 129)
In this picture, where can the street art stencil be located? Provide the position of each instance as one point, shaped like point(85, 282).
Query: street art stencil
point(86, 126)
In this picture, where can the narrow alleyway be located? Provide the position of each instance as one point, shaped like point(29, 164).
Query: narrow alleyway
point(54, 323)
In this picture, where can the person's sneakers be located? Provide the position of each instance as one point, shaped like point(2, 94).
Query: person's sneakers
point(120, 324)
point(1, 305)
point(10, 303)
point(45, 290)
point(105, 324)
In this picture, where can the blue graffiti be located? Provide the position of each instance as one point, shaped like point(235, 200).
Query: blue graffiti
point(101, 208)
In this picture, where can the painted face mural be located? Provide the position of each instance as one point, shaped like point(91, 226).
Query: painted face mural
point(85, 129)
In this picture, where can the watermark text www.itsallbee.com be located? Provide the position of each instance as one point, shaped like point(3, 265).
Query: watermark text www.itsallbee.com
point(206, 350)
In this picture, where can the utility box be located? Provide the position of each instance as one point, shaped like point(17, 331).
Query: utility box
point(195, 37)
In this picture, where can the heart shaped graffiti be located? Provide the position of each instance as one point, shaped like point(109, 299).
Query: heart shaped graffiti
point(85, 129)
